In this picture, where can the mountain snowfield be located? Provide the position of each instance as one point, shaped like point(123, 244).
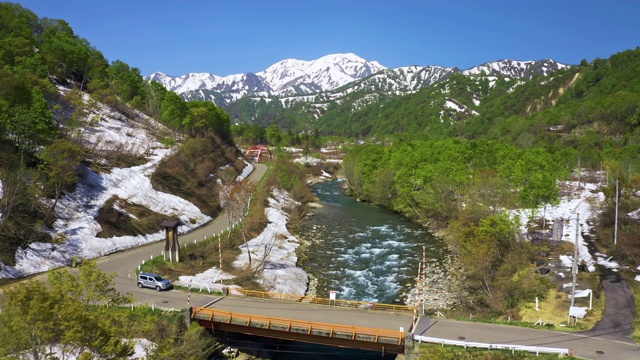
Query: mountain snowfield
point(334, 76)
point(282, 78)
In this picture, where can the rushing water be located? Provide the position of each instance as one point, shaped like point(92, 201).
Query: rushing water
point(361, 251)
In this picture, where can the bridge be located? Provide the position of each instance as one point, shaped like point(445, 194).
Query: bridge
point(360, 325)
point(389, 329)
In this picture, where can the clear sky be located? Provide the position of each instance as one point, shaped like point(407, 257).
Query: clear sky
point(226, 37)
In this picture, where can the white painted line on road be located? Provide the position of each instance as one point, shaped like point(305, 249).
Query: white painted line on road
point(103, 260)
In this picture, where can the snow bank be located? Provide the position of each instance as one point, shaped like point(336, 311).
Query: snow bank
point(308, 160)
point(578, 312)
point(579, 203)
point(634, 214)
point(75, 228)
point(581, 293)
point(607, 261)
point(273, 251)
point(246, 171)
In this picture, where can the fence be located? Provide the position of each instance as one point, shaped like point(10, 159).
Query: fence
point(533, 349)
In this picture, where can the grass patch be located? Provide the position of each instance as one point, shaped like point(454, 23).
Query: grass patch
point(192, 171)
point(555, 310)
point(635, 287)
point(434, 351)
point(197, 258)
point(119, 217)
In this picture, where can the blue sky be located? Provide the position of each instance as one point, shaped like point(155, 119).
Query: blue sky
point(226, 37)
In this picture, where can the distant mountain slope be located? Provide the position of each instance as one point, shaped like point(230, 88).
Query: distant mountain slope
point(337, 74)
point(270, 97)
point(287, 77)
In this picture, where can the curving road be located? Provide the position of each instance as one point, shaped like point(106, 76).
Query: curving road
point(124, 263)
point(608, 340)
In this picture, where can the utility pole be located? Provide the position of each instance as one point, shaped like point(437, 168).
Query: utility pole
point(615, 229)
point(574, 270)
point(424, 277)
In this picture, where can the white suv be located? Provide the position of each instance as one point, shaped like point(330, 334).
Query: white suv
point(153, 281)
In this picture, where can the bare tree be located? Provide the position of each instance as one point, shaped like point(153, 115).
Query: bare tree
point(267, 245)
point(235, 197)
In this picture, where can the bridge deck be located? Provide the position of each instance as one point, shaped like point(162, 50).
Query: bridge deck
point(395, 321)
point(358, 328)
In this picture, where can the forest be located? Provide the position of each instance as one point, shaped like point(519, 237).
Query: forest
point(41, 148)
point(462, 175)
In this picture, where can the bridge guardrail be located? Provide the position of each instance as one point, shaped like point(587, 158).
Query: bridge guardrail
point(532, 349)
point(324, 301)
point(312, 328)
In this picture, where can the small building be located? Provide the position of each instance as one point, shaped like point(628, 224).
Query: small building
point(171, 246)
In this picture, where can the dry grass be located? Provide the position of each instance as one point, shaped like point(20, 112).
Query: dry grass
point(132, 219)
point(192, 171)
point(555, 310)
point(199, 257)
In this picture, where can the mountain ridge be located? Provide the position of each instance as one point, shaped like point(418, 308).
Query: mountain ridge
point(292, 77)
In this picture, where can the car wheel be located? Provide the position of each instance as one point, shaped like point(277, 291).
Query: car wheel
point(158, 288)
point(140, 285)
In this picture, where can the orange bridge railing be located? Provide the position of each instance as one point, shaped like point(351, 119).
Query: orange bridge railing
point(355, 333)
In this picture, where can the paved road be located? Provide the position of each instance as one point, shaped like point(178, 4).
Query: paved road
point(124, 263)
point(590, 347)
point(620, 310)
point(316, 313)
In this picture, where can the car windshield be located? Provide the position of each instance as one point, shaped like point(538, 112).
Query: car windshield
point(158, 278)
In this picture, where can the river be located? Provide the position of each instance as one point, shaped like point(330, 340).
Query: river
point(361, 251)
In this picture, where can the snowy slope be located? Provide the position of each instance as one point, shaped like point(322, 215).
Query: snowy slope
point(516, 69)
point(76, 228)
point(285, 77)
point(334, 76)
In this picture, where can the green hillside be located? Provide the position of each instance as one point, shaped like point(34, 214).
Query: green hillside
point(41, 150)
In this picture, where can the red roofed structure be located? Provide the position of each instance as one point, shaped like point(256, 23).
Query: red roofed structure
point(256, 153)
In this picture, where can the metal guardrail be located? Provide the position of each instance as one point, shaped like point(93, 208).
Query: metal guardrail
point(355, 333)
point(465, 344)
point(324, 301)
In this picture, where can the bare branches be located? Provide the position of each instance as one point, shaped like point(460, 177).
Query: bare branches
point(235, 197)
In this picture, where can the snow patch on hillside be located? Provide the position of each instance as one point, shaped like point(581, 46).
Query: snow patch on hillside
point(580, 203)
point(454, 105)
point(273, 251)
point(75, 229)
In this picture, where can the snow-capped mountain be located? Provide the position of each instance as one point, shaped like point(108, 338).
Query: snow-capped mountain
point(516, 69)
point(334, 76)
point(287, 77)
